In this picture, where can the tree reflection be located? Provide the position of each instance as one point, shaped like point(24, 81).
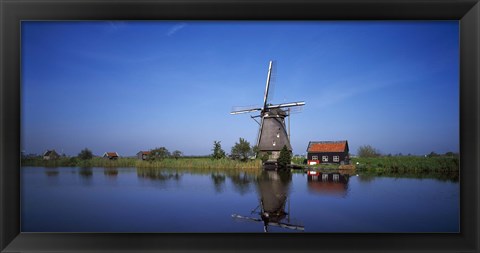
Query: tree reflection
point(158, 175)
point(86, 172)
point(241, 182)
point(218, 181)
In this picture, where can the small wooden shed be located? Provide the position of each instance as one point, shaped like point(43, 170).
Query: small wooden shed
point(50, 155)
point(142, 155)
point(111, 155)
point(328, 152)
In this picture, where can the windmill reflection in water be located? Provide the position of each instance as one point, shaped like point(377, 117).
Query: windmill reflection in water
point(273, 187)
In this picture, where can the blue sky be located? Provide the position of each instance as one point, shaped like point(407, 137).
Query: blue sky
point(130, 86)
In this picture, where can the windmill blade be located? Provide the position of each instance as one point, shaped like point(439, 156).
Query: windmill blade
point(265, 97)
point(275, 224)
point(259, 132)
point(273, 82)
point(236, 216)
point(295, 110)
point(245, 111)
point(284, 105)
point(286, 225)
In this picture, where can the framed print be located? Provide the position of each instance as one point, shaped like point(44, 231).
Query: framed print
point(249, 126)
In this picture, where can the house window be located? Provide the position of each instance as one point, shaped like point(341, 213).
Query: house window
point(336, 177)
point(324, 177)
point(336, 158)
point(314, 157)
point(324, 158)
point(274, 143)
point(278, 135)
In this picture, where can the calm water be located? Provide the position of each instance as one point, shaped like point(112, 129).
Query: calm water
point(127, 200)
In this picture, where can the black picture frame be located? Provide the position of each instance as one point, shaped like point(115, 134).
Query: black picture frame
point(14, 11)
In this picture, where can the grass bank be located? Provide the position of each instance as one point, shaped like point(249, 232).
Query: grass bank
point(396, 164)
point(185, 163)
point(407, 164)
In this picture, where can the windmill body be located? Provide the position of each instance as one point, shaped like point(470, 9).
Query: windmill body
point(272, 134)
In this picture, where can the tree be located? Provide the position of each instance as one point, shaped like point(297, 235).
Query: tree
point(241, 150)
point(85, 154)
point(255, 150)
point(368, 151)
point(218, 152)
point(158, 154)
point(285, 158)
point(265, 157)
point(176, 154)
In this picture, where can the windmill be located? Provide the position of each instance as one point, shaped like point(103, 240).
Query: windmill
point(272, 134)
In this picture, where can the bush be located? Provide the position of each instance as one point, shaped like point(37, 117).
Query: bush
point(265, 157)
point(218, 152)
point(241, 150)
point(285, 158)
point(368, 151)
point(176, 154)
point(85, 154)
point(158, 154)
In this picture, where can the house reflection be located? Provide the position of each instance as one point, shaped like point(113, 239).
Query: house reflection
point(273, 188)
point(328, 183)
point(110, 172)
point(50, 172)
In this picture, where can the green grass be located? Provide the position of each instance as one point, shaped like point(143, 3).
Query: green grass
point(407, 164)
point(158, 172)
point(187, 163)
point(446, 167)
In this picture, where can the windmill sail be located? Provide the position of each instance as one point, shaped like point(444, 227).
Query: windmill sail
point(246, 111)
point(265, 97)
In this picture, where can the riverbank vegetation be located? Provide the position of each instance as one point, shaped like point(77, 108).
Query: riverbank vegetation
point(407, 163)
point(241, 158)
point(371, 159)
point(171, 162)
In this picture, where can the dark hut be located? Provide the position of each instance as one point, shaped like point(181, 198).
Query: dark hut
point(142, 155)
point(328, 152)
point(111, 155)
point(50, 155)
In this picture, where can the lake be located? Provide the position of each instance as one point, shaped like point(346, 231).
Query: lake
point(68, 199)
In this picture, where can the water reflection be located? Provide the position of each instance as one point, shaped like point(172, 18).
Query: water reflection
point(218, 182)
point(158, 175)
point(110, 172)
point(328, 183)
point(242, 182)
point(50, 172)
point(266, 200)
point(85, 172)
point(273, 188)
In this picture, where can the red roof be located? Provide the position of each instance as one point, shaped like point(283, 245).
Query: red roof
point(145, 152)
point(111, 154)
point(327, 146)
